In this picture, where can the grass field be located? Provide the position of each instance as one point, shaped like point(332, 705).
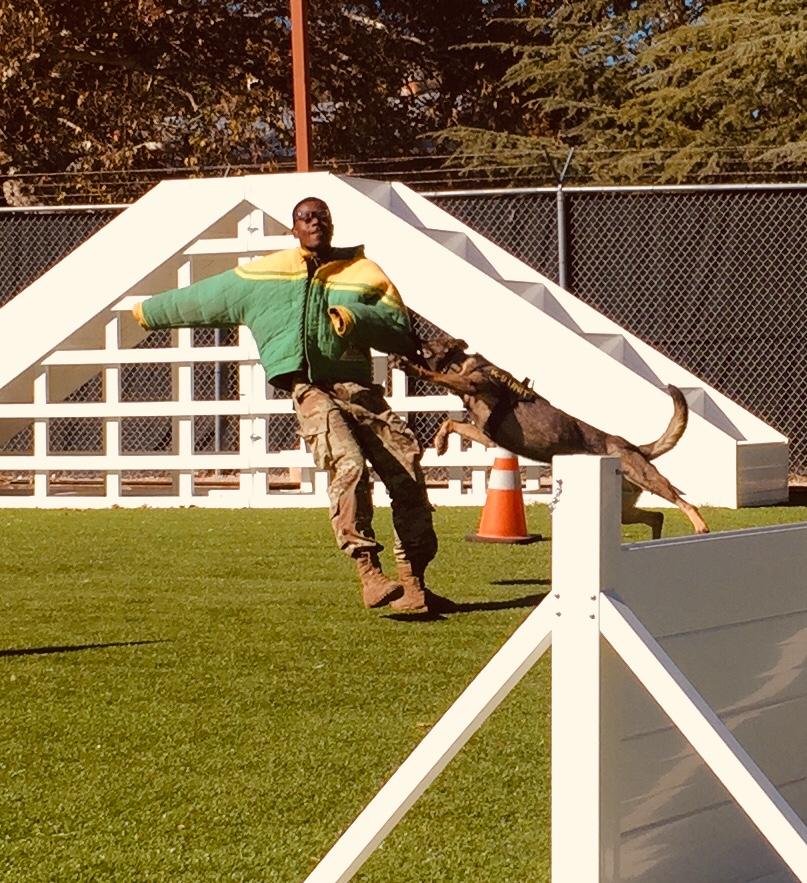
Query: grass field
point(196, 695)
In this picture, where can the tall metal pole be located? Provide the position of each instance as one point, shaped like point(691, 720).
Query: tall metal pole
point(302, 90)
point(563, 255)
point(563, 267)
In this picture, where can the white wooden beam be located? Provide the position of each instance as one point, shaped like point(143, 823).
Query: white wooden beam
point(178, 354)
point(198, 407)
point(480, 698)
point(585, 545)
point(254, 246)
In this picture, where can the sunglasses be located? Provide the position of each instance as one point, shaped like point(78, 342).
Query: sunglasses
point(307, 216)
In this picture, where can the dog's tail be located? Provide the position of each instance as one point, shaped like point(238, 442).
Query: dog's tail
point(675, 429)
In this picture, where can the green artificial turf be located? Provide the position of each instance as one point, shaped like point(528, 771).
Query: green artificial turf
point(192, 695)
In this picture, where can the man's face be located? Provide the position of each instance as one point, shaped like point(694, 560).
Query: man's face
point(313, 225)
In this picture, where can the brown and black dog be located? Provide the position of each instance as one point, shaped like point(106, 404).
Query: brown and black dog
point(508, 413)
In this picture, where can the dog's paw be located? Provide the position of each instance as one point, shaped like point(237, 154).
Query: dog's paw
point(441, 442)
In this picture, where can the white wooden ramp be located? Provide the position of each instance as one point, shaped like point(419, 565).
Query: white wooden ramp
point(679, 703)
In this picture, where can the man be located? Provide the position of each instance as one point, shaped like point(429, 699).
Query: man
point(315, 311)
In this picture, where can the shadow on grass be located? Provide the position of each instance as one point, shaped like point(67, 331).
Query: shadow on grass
point(520, 582)
point(453, 607)
point(72, 648)
point(797, 495)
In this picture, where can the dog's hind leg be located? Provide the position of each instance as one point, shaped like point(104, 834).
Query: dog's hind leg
point(466, 430)
point(640, 471)
point(632, 514)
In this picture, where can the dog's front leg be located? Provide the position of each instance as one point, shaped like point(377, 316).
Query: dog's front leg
point(466, 430)
point(403, 364)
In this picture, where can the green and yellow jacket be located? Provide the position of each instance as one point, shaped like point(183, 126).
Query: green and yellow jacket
point(323, 326)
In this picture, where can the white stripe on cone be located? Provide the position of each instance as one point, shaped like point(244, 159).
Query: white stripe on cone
point(504, 478)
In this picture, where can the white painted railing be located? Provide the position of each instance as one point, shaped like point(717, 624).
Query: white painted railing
point(99, 477)
point(701, 775)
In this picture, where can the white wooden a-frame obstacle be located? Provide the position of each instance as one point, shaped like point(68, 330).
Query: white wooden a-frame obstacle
point(713, 629)
point(84, 394)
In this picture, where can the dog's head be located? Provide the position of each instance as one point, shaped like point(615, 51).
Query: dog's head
point(441, 352)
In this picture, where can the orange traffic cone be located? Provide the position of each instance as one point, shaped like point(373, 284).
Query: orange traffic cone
point(503, 516)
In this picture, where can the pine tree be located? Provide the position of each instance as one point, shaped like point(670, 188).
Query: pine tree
point(660, 90)
point(721, 98)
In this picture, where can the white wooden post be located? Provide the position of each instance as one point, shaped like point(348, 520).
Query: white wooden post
point(41, 435)
point(183, 426)
point(320, 485)
point(251, 428)
point(454, 473)
point(250, 233)
point(112, 479)
point(398, 384)
point(181, 383)
point(479, 481)
point(260, 477)
point(585, 545)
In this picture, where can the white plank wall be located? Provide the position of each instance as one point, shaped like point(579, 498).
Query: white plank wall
point(731, 611)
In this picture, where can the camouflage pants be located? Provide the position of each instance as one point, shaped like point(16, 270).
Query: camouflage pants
point(345, 425)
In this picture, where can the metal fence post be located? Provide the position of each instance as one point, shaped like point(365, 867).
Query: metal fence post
point(563, 268)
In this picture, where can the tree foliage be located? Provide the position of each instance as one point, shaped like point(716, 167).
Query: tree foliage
point(663, 90)
point(111, 84)
point(95, 86)
point(658, 90)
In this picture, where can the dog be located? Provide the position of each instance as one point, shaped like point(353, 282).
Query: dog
point(508, 413)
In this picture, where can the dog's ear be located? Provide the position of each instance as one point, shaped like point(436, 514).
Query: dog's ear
point(460, 344)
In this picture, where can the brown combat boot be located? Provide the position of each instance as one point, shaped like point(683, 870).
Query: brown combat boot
point(413, 599)
point(377, 589)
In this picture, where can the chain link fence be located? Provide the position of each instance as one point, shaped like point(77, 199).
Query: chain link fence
point(712, 276)
point(713, 280)
point(33, 241)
